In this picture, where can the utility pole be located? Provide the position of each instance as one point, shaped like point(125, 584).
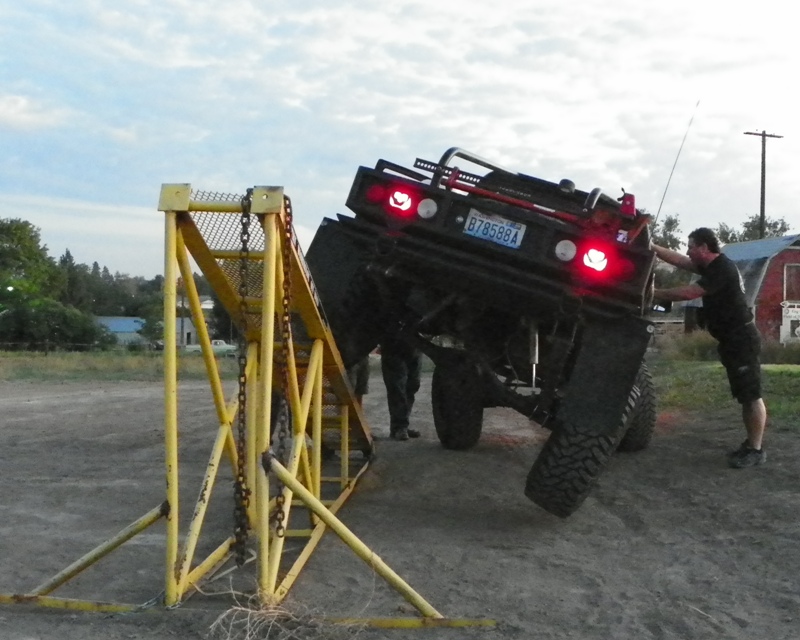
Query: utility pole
point(764, 135)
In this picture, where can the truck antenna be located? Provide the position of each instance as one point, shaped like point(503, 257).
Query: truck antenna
point(674, 164)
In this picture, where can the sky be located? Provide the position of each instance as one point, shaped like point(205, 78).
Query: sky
point(101, 102)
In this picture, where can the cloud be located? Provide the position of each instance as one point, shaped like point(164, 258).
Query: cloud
point(230, 95)
point(25, 114)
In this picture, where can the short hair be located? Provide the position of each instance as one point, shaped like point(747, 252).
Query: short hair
point(706, 236)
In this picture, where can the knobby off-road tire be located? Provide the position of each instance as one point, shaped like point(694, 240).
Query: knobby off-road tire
point(642, 421)
point(570, 463)
point(457, 403)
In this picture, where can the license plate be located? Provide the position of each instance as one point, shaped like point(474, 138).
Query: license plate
point(494, 229)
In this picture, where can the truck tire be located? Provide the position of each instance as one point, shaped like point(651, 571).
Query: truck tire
point(570, 463)
point(457, 403)
point(642, 421)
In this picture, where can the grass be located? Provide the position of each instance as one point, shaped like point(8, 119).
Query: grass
point(106, 365)
point(692, 385)
point(685, 370)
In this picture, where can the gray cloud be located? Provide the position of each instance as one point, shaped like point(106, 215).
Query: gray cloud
point(103, 102)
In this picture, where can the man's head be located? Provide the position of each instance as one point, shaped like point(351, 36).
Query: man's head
point(703, 246)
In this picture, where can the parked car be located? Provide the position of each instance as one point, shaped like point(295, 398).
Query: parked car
point(219, 347)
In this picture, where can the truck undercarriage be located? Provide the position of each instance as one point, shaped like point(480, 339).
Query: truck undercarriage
point(525, 293)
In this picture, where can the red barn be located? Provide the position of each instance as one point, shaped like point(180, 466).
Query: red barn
point(770, 269)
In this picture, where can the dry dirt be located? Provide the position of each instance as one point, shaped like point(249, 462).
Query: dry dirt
point(670, 544)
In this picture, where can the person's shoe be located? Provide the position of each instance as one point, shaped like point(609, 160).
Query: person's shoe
point(413, 433)
point(746, 456)
point(400, 434)
point(742, 447)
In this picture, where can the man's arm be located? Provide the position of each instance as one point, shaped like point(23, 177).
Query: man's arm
point(674, 258)
point(675, 294)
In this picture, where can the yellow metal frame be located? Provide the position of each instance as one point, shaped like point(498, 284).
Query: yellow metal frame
point(204, 227)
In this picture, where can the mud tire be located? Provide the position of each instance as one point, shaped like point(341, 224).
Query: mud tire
point(457, 403)
point(570, 463)
point(642, 421)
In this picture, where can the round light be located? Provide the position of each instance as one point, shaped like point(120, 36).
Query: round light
point(566, 250)
point(595, 259)
point(427, 208)
point(400, 200)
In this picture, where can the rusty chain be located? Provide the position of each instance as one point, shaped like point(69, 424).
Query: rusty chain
point(286, 338)
point(241, 490)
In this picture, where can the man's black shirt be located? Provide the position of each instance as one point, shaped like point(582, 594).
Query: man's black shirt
point(724, 301)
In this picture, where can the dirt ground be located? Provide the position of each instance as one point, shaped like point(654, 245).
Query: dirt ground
point(670, 544)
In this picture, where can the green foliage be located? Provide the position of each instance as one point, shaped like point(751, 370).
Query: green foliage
point(46, 304)
point(24, 263)
point(700, 346)
point(751, 230)
point(42, 324)
point(690, 385)
point(666, 233)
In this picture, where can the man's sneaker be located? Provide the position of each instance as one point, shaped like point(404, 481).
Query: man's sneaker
point(400, 434)
point(746, 456)
point(742, 447)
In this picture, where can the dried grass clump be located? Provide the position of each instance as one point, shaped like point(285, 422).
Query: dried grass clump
point(253, 620)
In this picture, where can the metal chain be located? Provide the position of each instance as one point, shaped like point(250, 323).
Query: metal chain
point(286, 332)
point(241, 492)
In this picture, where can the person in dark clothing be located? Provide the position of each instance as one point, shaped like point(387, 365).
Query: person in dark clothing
point(730, 321)
point(358, 375)
point(401, 363)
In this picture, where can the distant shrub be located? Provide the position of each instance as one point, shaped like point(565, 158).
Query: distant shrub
point(700, 346)
point(697, 345)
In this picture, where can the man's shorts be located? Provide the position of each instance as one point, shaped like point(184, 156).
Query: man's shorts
point(739, 354)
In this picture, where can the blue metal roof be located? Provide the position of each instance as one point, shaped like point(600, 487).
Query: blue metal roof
point(120, 324)
point(753, 258)
point(758, 249)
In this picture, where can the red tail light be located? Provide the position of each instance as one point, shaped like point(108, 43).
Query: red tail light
point(595, 260)
point(401, 202)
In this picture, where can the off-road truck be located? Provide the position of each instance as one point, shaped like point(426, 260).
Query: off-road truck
point(524, 293)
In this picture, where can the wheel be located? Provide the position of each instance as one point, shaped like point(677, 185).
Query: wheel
point(570, 463)
point(642, 421)
point(457, 403)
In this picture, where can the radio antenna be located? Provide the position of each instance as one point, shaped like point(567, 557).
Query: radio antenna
point(658, 213)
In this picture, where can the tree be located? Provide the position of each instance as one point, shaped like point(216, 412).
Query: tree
point(773, 228)
point(76, 292)
point(24, 263)
point(666, 233)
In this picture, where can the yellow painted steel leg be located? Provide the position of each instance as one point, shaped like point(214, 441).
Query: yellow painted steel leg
point(203, 499)
point(69, 604)
point(316, 430)
point(217, 557)
point(316, 536)
point(212, 370)
point(101, 551)
point(265, 397)
point(360, 549)
point(345, 447)
point(171, 407)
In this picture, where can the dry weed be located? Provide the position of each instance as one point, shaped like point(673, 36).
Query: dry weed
point(252, 620)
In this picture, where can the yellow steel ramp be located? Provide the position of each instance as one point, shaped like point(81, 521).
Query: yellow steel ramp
point(290, 427)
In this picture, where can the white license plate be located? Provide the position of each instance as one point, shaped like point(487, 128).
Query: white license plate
point(494, 229)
